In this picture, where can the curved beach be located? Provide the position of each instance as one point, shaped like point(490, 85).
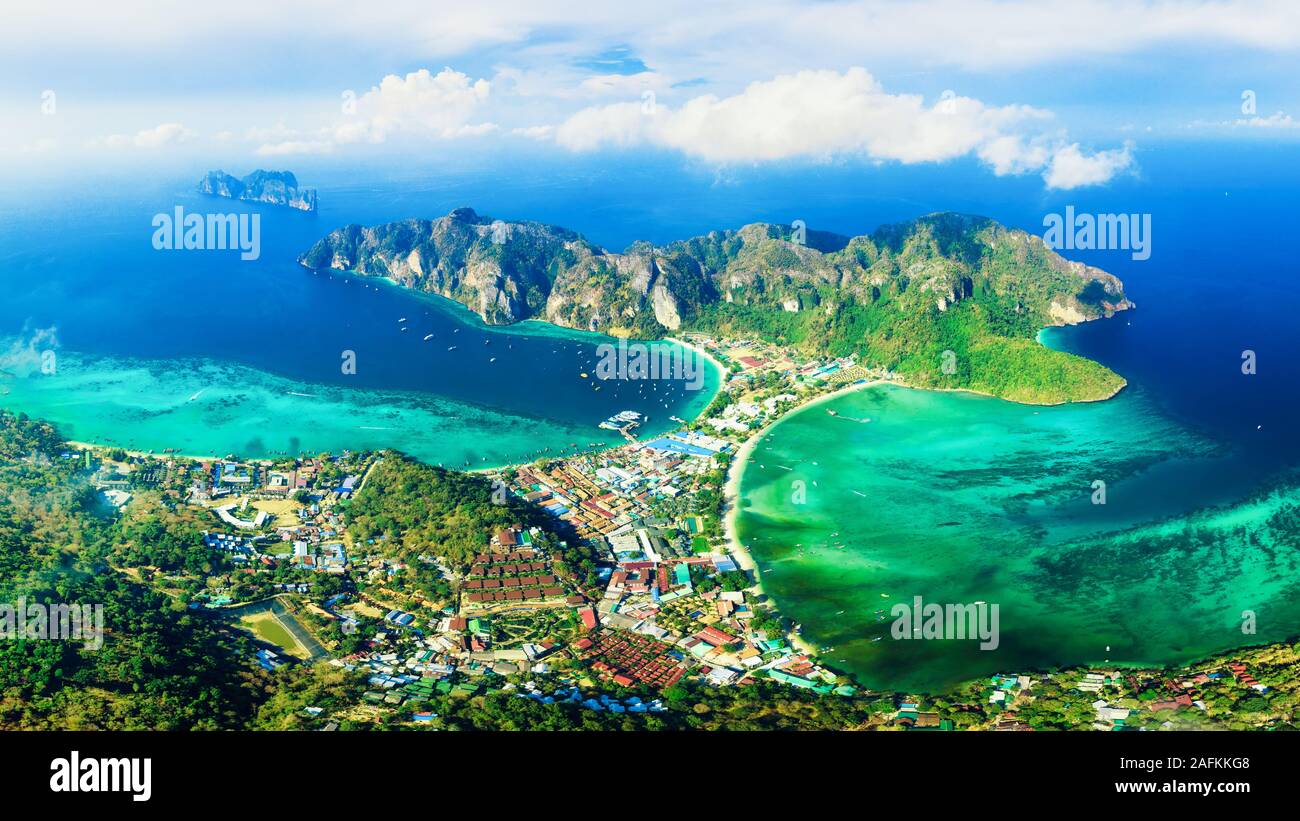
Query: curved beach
point(731, 493)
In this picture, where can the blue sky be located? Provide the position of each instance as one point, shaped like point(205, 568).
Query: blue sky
point(1065, 92)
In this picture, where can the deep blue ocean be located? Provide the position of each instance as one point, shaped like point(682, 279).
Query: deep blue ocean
point(1221, 278)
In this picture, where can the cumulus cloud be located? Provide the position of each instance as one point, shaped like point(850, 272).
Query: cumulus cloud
point(420, 104)
point(1014, 154)
point(156, 137)
point(822, 114)
point(970, 33)
point(1071, 168)
point(440, 104)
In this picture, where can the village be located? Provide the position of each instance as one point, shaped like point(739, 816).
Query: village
point(674, 600)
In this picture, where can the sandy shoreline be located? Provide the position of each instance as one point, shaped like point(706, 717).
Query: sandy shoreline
point(723, 373)
point(150, 454)
point(731, 494)
point(209, 457)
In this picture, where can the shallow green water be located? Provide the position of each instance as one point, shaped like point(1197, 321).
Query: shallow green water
point(203, 407)
point(959, 498)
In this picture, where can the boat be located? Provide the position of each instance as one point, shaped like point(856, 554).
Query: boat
point(428, 337)
point(452, 348)
point(622, 419)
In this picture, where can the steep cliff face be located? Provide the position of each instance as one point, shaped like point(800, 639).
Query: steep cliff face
point(271, 187)
point(815, 290)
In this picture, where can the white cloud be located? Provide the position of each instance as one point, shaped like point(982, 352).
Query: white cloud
point(1279, 121)
point(534, 132)
point(438, 104)
point(420, 104)
point(626, 85)
point(1071, 168)
point(30, 351)
point(1014, 154)
point(477, 130)
point(542, 57)
point(156, 137)
point(1275, 120)
point(822, 114)
point(968, 33)
point(293, 147)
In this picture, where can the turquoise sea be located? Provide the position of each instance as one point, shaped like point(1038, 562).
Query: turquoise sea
point(958, 498)
point(205, 353)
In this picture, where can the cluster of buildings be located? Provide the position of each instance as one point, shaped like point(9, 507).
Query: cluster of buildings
point(326, 558)
point(515, 573)
point(214, 480)
point(603, 702)
point(660, 618)
point(601, 494)
point(412, 660)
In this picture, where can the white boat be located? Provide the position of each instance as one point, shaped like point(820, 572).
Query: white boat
point(427, 338)
point(622, 419)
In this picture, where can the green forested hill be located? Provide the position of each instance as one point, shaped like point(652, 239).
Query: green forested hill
point(946, 300)
point(408, 509)
point(160, 666)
